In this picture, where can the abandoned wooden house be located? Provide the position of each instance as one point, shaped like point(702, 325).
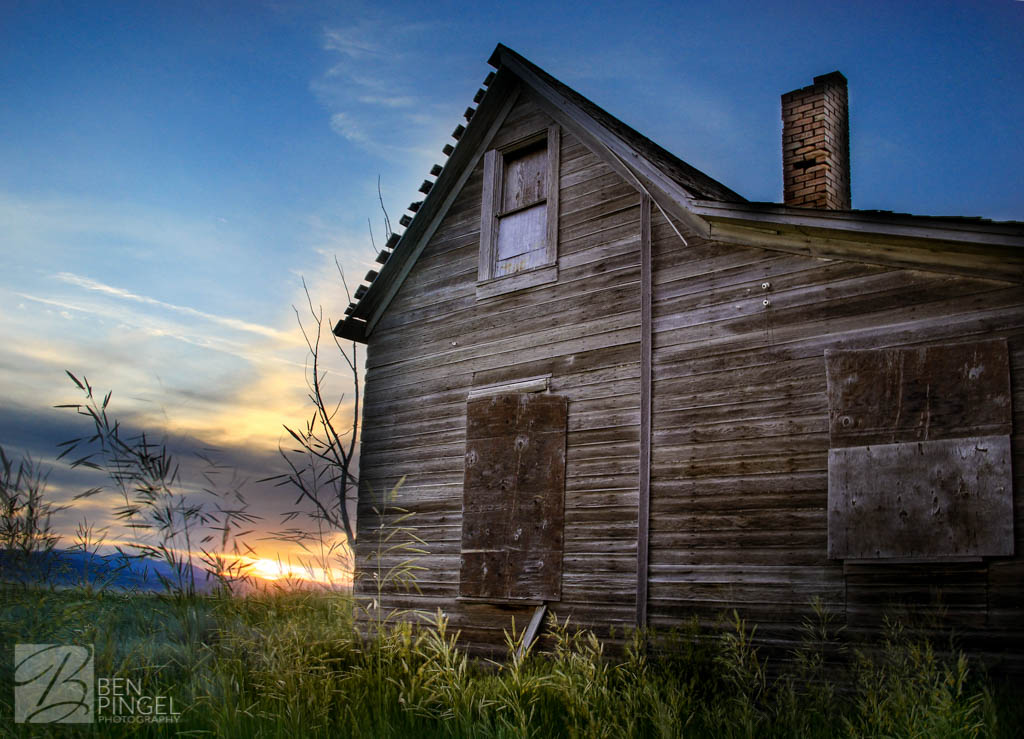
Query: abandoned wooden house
point(617, 389)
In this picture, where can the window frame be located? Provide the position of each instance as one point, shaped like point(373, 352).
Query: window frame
point(494, 175)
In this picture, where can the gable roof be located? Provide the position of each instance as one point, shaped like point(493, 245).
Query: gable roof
point(692, 180)
point(960, 245)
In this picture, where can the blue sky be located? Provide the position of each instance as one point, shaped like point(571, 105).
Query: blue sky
point(170, 170)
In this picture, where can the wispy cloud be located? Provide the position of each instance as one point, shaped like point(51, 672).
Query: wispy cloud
point(401, 101)
point(226, 322)
point(232, 396)
point(156, 328)
point(342, 123)
point(356, 41)
point(369, 91)
point(186, 371)
point(66, 227)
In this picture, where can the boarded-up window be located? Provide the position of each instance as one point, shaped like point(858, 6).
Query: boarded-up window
point(919, 458)
point(513, 497)
point(518, 227)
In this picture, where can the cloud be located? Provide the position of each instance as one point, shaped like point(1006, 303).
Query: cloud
point(240, 464)
point(72, 229)
point(240, 467)
point(406, 101)
point(232, 323)
point(157, 328)
point(342, 123)
point(221, 378)
point(372, 100)
point(224, 389)
point(37, 431)
point(355, 42)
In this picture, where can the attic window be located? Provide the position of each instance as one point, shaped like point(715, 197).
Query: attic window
point(519, 215)
point(513, 498)
point(919, 457)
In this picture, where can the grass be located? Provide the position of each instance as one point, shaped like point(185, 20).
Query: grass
point(294, 664)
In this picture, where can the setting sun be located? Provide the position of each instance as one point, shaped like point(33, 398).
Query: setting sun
point(275, 570)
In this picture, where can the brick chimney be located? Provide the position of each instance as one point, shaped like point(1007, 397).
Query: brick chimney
point(816, 145)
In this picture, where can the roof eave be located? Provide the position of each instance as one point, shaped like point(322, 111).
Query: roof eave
point(977, 248)
point(967, 230)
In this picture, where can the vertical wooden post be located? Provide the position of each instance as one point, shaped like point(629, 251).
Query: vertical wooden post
point(644, 505)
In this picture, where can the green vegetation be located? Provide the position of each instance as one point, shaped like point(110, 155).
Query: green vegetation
point(27, 541)
point(300, 664)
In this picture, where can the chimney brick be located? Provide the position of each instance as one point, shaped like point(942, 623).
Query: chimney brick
point(816, 145)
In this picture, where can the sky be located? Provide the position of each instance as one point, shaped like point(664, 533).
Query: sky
point(171, 172)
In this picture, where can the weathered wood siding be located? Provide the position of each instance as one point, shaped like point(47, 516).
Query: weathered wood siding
point(437, 341)
point(741, 436)
point(739, 467)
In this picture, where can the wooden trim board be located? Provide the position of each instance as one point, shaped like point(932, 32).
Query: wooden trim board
point(644, 506)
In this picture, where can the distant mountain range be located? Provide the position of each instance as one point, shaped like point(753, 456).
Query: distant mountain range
point(71, 568)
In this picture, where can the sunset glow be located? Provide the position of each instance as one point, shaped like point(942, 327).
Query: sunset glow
point(275, 570)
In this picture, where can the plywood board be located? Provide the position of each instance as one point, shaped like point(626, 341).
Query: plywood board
point(522, 240)
point(946, 391)
point(927, 499)
point(513, 497)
